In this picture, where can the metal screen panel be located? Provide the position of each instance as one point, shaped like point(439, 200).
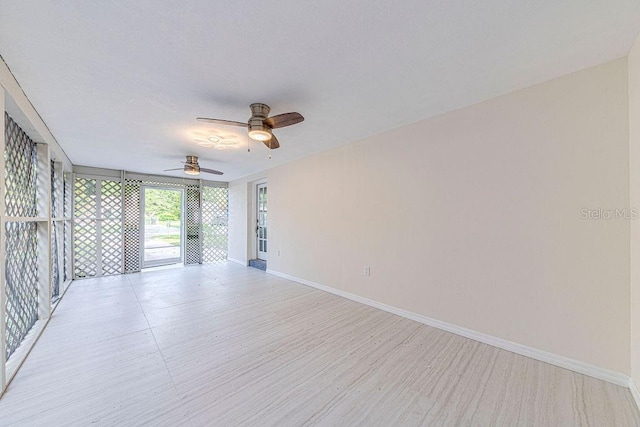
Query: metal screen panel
point(21, 282)
point(84, 228)
point(111, 227)
point(215, 216)
point(192, 208)
point(132, 213)
point(20, 171)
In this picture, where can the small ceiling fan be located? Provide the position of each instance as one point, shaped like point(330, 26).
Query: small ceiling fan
point(260, 125)
point(191, 167)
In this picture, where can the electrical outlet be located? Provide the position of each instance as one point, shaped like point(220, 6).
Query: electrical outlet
point(367, 270)
point(278, 252)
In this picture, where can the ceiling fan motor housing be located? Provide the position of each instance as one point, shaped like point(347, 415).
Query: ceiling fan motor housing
point(257, 129)
point(192, 160)
point(259, 110)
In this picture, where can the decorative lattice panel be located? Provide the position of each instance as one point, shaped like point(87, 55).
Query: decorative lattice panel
point(85, 243)
point(20, 171)
point(215, 216)
point(192, 208)
point(55, 271)
point(111, 227)
point(21, 282)
point(163, 184)
point(132, 213)
point(68, 194)
point(56, 208)
point(68, 244)
point(68, 250)
point(56, 193)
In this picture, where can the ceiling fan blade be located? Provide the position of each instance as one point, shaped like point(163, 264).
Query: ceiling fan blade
point(272, 143)
point(176, 169)
point(282, 120)
point(222, 122)
point(211, 171)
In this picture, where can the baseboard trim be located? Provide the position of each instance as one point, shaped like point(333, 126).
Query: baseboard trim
point(237, 261)
point(634, 392)
point(534, 353)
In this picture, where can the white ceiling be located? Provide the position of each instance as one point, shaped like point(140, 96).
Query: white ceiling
point(120, 83)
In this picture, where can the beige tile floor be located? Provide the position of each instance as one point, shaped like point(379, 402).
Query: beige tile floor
point(228, 345)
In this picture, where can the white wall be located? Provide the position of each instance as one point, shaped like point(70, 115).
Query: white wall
point(634, 161)
point(237, 250)
point(242, 218)
point(474, 217)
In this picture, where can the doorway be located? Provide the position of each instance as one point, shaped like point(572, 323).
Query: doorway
point(163, 231)
point(261, 221)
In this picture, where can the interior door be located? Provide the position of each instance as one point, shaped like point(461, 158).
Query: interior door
point(261, 221)
point(162, 234)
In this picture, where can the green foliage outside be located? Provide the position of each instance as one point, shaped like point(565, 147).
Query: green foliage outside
point(162, 204)
point(170, 239)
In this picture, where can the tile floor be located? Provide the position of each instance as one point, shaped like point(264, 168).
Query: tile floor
point(228, 345)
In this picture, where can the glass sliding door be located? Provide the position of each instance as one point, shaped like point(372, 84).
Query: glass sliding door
point(163, 231)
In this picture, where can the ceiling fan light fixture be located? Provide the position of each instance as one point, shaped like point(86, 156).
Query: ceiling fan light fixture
point(259, 135)
point(190, 169)
point(259, 131)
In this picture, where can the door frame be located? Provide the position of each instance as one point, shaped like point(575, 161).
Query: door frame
point(167, 261)
point(256, 219)
point(252, 214)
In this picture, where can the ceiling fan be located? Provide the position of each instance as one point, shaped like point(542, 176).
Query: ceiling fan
point(191, 167)
point(260, 125)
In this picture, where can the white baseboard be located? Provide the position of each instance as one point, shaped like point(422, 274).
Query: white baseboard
point(237, 261)
point(541, 355)
point(634, 392)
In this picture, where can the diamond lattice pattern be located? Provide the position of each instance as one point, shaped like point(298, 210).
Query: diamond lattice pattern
point(111, 227)
point(84, 228)
point(68, 244)
point(21, 282)
point(55, 271)
point(56, 207)
point(132, 226)
point(192, 246)
point(20, 171)
point(215, 214)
